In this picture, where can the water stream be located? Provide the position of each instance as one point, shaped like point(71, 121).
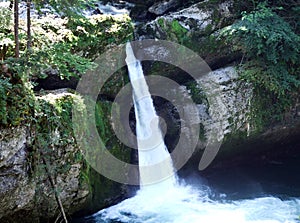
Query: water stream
point(176, 201)
point(155, 162)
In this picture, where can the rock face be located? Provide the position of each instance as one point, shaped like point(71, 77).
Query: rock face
point(24, 185)
point(17, 191)
point(198, 28)
point(32, 153)
point(228, 101)
point(149, 9)
point(225, 114)
point(223, 109)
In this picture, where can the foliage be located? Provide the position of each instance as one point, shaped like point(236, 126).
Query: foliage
point(289, 10)
point(5, 17)
point(52, 123)
point(53, 150)
point(271, 48)
point(263, 33)
point(94, 34)
point(67, 45)
point(197, 93)
point(58, 57)
point(16, 99)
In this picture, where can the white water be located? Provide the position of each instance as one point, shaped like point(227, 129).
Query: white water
point(183, 204)
point(155, 163)
point(171, 202)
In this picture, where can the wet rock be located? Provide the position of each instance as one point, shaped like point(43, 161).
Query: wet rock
point(97, 11)
point(160, 8)
point(145, 2)
point(228, 100)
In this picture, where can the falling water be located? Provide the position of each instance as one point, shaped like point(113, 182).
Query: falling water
point(155, 163)
point(162, 199)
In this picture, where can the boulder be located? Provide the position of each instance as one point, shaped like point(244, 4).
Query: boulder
point(32, 154)
point(198, 28)
point(16, 189)
point(161, 8)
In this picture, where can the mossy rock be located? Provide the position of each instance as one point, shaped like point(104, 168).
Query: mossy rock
point(198, 28)
point(103, 191)
point(54, 128)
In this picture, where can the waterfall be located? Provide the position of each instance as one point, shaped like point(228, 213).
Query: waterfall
point(162, 199)
point(155, 163)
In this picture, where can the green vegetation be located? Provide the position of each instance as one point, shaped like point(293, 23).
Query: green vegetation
point(267, 34)
point(16, 99)
point(196, 93)
point(67, 45)
point(174, 30)
point(271, 60)
point(53, 129)
point(261, 36)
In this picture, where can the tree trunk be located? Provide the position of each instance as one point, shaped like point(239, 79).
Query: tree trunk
point(16, 28)
point(28, 25)
point(11, 4)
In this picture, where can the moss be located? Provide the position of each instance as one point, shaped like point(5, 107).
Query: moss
point(115, 83)
point(104, 127)
point(177, 28)
point(262, 118)
point(202, 133)
point(103, 191)
point(53, 129)
point(206, 42)
point(196, 93)
point(173, 30)
point(161, 22)
point(233, 144)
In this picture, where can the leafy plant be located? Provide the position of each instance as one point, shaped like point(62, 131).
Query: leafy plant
point(16, 98)
point(271, 62)
point(272, 48)
point(98, 31)
point(263, 33)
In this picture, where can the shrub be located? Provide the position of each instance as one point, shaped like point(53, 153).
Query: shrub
point(271, 57)
point(272, 47)
point(16, 99)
